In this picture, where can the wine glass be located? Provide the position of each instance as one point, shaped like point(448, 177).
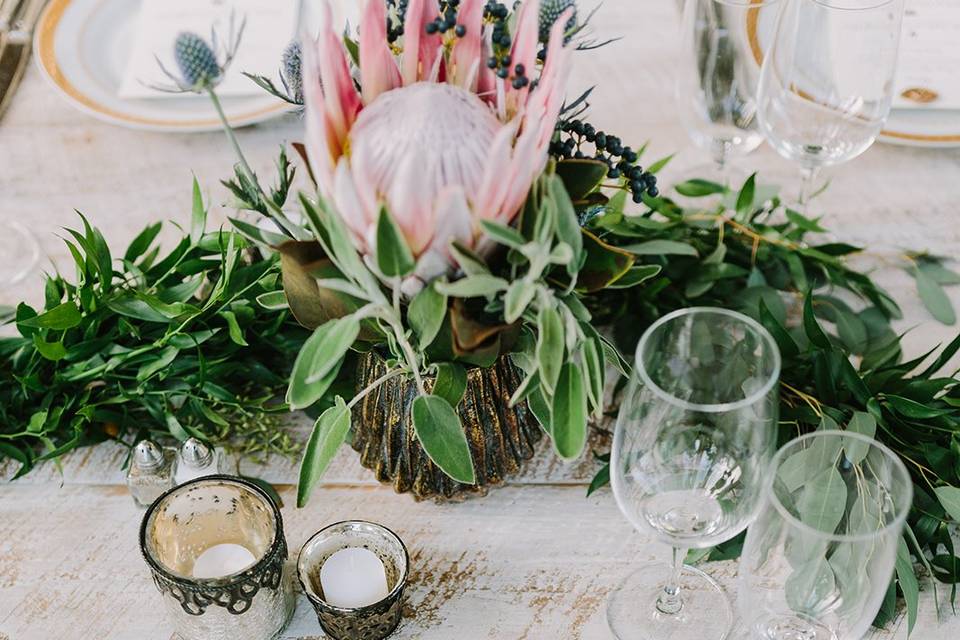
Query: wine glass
point(717, 81)
point(818, 561)
point(695, 432)
point(20, 252)
point(827, 81)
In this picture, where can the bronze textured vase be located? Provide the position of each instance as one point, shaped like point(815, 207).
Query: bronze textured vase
point(501, 437)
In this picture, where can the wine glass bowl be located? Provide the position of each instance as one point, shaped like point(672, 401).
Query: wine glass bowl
point(818, 561)
point(827, 80)
point(717, 79)
point(696, 428)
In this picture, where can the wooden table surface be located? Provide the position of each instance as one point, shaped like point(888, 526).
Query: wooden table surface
point(532, 560)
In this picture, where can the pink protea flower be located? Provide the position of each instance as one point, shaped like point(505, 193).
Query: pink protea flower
point(433, 135)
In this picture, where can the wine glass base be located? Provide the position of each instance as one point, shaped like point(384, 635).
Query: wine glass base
point(792, 628)
point(20, 253)
point(632, 613)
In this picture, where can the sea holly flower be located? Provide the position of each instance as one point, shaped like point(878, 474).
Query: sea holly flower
point(550, 12)
point(201, 65)
point(435, 136)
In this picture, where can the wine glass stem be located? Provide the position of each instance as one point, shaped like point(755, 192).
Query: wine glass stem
point(721, 153)
point(808, 180)
point(670, 601)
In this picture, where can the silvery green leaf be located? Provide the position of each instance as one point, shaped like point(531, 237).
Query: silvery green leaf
point(550, 346)
point(811, 587)
point(852, 331)
point(426, 314)
point(335, 341)
point(300, 393)
point(451, 382)
point(823, 501)
point(394, 258)
point(501, 233)
point(441, 434)
point(569, 413)
point(864, 424)
point(662, 248)
point(561, 254)
point(594, 371)
point(471, 263)
point(935, 298)
point(328, 434)
point(949, 498)
point(518, 298)
point(473, 286)
point(567, 226)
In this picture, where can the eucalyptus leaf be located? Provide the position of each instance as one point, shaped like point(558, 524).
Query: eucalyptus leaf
point(864, 424)
point(823, 500)
point(935, 298)
point(949, 497)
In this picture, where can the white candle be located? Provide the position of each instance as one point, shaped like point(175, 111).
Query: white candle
point(222, 560)
point(353, 578)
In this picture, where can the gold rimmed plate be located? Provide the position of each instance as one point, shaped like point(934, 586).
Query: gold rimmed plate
point(82, 47)
point(919, 127)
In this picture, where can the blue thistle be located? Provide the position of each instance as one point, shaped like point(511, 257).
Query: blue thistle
point(196, 60)
point(550, 12)
point(291, 71)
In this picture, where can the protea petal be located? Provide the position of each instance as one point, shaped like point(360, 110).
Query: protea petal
point(553, 80)
point(467, 50)
point(420, 50)
point(349, 206)
point(342, 103)
point(322, 148)
point(378, 67)
point(411, 202)
point(493, 188)
point(526, 41)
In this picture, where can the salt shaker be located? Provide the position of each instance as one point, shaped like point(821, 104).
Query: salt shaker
point(151, 473)
point(196, 460)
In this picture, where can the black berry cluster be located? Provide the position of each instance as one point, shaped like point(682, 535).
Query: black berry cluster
point(396, 15)
point(447, 20)
point(496, 14)
point(621, 160)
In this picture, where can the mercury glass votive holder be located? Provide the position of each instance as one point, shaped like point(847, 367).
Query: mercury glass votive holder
point(235, 531)
point(371, 622)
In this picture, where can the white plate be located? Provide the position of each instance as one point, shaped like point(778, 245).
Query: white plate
point(933, 128)
point(82, 46)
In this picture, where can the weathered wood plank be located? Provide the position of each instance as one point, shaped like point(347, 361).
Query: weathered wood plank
point(525, 562)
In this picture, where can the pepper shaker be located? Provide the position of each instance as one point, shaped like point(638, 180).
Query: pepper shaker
point(151, 473)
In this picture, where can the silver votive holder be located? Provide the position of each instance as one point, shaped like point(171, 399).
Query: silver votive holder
point(230, 529)
point(372, 622)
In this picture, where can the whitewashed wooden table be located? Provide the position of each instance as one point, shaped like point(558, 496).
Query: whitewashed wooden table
point(533, 560)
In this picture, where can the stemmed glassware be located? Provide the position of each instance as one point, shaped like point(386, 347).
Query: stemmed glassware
point(717, 80)
point(827, 80)
point(696, 430)
point(19, 254)
point(818, 561)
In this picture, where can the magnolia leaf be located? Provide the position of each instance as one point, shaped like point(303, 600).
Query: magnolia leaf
point(328, 434)
point(550, 347)
point(302, 264)
point(864, 424)
point(440, 433)
point(426, 313)
point(394, 258)
point(935, 298)
point(450, 383)
point(518, 298)
point(822, 503)
point(949, 498)
point(473, 286)
point(604, 264)
point(569, 413)
point(581, 177)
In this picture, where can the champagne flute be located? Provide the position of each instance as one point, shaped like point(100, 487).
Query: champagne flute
point(827, 81)
point(818, 561)
point(717, 81)
point(695, 432)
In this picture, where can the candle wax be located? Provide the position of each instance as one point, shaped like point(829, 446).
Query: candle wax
point(222, 560)
point(353, 578)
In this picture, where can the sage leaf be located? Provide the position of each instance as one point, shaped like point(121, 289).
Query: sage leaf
point(662, 248)
point(567, 224)
point(540, 407)
point(451, 382)
point(300, 393)
point(441, 434)
point(935, 298)
point(569, 413)
point(501, 233)
point(517, 299)
point(426, 313)
point(949, 498)
point(550, 347)
point(864, 424)
point(473, 286)
point(339, 336)
point(394, 258)
point(823, 501)
point(328, 434)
